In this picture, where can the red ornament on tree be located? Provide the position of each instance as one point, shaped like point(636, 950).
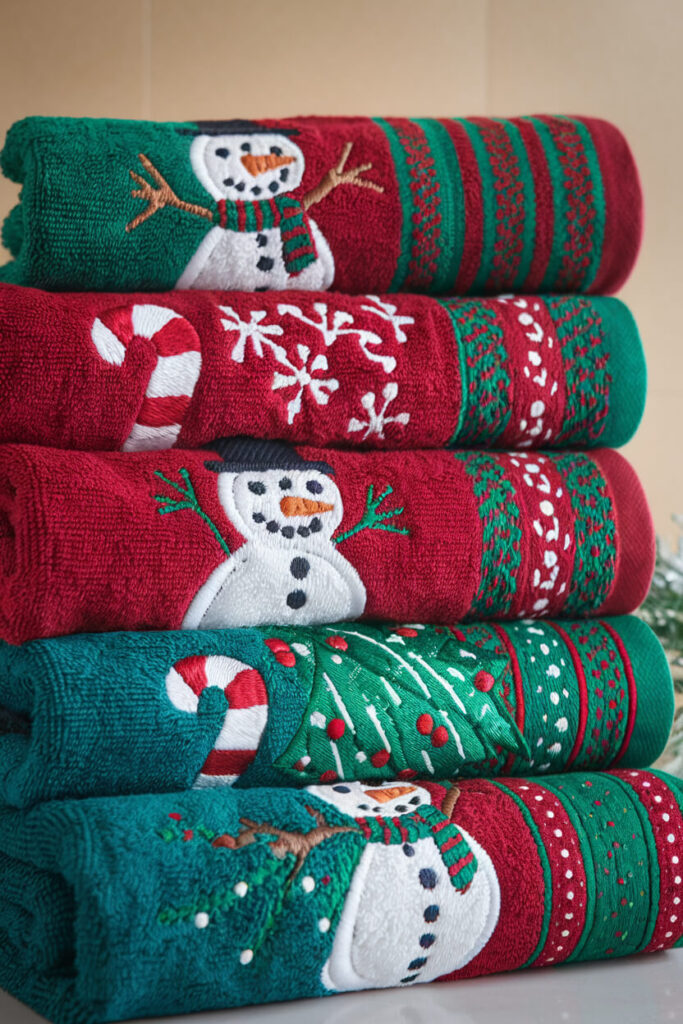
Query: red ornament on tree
point(336, 729)
point(484, 681)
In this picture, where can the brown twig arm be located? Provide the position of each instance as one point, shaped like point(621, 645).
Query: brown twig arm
point(338, 176)
point(299, 844)
point(157, 198)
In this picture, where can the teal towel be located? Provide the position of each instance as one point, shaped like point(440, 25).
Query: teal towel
point(147, 712)
point(124, 907)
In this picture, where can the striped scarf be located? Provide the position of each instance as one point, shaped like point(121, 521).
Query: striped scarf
point(426, 821)
point(298, 247)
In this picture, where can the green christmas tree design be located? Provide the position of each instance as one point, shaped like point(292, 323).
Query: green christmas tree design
point(386, 700)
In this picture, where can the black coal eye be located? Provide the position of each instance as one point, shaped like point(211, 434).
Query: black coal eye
point(276, 151)
point(245, 147)
point(223, 153)
point(285, 483)
point(256, 487)
point(341, 789)
point(314, 487)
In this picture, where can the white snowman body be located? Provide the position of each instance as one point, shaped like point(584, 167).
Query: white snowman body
point(250, 168)
point(289, 570)
point(403, 921)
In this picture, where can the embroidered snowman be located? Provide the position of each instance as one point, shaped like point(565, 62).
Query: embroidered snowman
point(263, 238)
point(288, 570)
point(424, 898)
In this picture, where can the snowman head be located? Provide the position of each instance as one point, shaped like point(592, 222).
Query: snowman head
point(384, 800)
point(275, 497)
point(240, 160)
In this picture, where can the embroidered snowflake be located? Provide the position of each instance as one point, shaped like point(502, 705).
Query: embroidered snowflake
point(302, 377)
point(387, 311)
point(339, 324)
point(253, 330)
point(377, 421)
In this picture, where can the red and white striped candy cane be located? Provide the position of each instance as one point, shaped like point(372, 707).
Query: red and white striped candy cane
point(174, 377)
point(237, 742)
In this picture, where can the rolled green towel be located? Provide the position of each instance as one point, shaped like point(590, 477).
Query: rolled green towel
point(136, 712)
point(447, 206)
point(123, 907)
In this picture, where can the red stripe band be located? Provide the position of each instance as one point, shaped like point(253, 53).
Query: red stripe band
point(228, 762)
point(163, 412)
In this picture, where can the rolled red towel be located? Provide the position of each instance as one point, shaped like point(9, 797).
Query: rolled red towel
point(253, 532)
point(137, 371)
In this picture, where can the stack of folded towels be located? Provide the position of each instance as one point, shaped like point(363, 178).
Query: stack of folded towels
point(317, 670)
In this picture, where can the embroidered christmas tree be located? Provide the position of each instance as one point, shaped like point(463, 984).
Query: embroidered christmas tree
point(384, 698)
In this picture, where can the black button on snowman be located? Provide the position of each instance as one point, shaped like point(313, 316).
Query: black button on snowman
point(289, 569)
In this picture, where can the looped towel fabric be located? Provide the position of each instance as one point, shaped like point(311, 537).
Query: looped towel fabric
point(253, 532)
point(448, 206)
point(147, 905)
point(140, 371)
point(106, 714)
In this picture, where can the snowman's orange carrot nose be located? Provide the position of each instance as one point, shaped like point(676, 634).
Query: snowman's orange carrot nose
point(292, 506)
point(382, 796)
point(257, 163)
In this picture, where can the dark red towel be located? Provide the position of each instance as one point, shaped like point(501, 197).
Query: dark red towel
point(140, 371)
point(254, 532)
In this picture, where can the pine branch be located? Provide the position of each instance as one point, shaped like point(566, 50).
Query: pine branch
point(373, 518)
point(189, 503)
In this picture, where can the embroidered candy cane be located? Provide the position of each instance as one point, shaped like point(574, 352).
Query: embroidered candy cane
point(173, 380)
point(237, 742)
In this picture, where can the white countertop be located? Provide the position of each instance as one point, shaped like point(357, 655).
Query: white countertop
point(635, 990)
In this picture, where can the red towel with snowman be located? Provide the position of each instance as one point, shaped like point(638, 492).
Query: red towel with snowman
point(251, 531)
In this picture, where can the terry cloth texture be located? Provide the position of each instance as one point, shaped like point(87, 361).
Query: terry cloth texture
point(449, 206)
point(254, 532)
point(133, 372)
point(106, 714)
point(123, 907)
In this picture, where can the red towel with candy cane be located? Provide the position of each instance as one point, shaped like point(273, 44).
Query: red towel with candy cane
point(252, 531)
point(150, 371)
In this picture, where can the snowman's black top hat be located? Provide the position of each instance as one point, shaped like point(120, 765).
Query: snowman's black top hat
point(236, 127)
point(253, 455)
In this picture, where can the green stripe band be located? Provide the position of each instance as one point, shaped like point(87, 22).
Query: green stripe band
point(559, 209)
point(452, 204)
point(488, 202)
point(527, 179)
point(598, 202)
point(406, 199)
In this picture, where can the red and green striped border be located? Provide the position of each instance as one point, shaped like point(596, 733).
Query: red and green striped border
point(609, 847)
point(491, 204)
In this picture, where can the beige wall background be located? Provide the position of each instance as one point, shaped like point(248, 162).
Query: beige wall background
point(620, 59)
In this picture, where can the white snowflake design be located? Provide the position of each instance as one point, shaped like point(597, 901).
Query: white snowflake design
point(253, 330)
point(340, 325)
point(377, 421)
point(387, 311)
point(302, 377)
point(331, 324)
